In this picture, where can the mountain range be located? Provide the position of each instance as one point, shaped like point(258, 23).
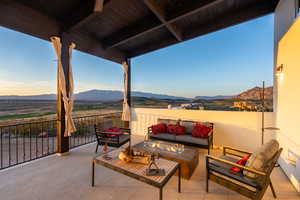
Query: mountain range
point(95, 95)
point(116, 95)
point(213, 97)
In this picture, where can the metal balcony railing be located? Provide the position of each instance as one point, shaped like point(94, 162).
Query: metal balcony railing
point(20, 143)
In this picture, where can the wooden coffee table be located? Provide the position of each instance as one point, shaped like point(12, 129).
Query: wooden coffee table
point(138, 171)
point(188, 159)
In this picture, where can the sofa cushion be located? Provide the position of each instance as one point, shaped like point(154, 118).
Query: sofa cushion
point(159, 128)
point(176, 129)
point(168, 121)
point(201, 130)
point(189, 125)
point(163, 136)
point(191, 139)
point(261, 158)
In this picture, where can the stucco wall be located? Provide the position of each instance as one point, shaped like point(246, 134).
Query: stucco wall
point(238, 129)
point(288, 108)
point(285, 14)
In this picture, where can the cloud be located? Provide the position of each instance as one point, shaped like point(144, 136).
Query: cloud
point(45, 87)
point(25, 88)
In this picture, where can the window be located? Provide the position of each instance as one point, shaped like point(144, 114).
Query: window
point(297, 8)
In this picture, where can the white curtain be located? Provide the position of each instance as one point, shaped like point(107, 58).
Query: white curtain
point(67, 96)
point(126, 115)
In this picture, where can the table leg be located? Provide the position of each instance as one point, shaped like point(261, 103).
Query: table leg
point(93, 174)
point(272, 189)
point(160, 193)
point(179, 178)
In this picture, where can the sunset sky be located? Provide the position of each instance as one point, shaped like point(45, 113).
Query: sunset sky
point(226, 62)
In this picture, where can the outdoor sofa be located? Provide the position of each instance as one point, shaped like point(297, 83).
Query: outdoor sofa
point(187, 138)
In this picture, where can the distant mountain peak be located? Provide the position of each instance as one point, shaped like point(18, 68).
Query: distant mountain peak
point(255, 94)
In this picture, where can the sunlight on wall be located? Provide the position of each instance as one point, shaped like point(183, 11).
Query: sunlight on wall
point(237, 129)
point(288, 107)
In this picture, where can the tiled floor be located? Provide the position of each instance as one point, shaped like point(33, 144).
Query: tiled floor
point(68, 178)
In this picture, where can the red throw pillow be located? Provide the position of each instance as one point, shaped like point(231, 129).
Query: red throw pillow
point(242, 161)
point(201, 131)
point(176, 129)
point(114, 130)
point(159, 128)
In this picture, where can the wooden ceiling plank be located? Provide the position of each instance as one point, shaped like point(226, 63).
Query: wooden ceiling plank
point(161, 15)
point(89, 14)
point(221, 22)
point(110, 42)
point(131, 32)
point(22, 18)
point(19, 17)
point(93, 46)
point(196, 10)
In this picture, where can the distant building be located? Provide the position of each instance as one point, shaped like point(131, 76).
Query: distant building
point(244, 105)
point(201, 108)
point(192, 106)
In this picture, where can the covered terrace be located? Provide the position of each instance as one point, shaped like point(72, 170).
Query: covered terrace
point(118, 31)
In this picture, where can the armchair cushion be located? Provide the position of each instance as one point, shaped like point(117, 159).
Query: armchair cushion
point(124, 138)
point(242, 161)
point(115, 131)
point(225, 170)
point(260, 159)
point(106, 124)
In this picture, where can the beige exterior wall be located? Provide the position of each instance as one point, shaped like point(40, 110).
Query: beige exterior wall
point(285, 14)
point(288, 108)
point(284, 17)
point(237, 129)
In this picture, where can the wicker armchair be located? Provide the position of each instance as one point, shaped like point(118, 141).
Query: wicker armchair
point(109, 138)
point(218, 171)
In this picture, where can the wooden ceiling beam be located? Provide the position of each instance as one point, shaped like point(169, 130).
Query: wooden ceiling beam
point(195, 10)
point(228, 19)
point(161, 15)
point(85, 13)
point(18, 17)
point(147, 25)
point(24, 19)
point(90, 44)
point(220, 22)
point(135, 30)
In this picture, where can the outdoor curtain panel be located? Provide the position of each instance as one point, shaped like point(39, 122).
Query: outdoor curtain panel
point(126, 115)
point(67, 96)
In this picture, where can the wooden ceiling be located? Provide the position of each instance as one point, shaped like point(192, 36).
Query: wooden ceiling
point(120, 29)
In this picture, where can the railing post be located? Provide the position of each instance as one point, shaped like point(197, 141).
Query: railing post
point(128, 94)
point(62, 141)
